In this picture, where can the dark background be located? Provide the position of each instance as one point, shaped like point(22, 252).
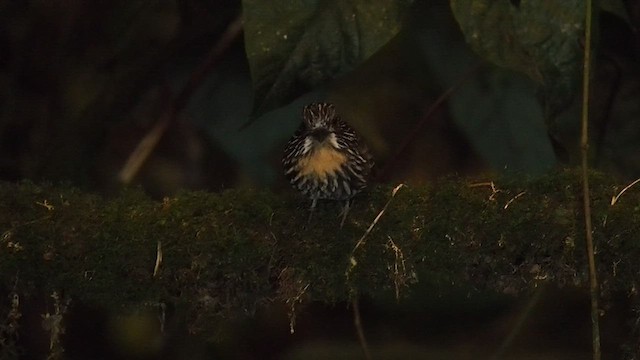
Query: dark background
point(81, 84)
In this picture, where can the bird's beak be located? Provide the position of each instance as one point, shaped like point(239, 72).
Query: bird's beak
point(320, 134)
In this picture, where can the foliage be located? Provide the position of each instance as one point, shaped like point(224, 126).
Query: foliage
point(80, 86)
point(295, 46)
point(537, 38)
point(74, 107)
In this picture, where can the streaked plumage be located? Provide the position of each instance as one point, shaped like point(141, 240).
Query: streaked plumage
point(325, 158)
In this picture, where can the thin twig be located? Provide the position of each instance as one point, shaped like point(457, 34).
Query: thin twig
point(399, 267)
point(357, 322)
point(352, 264)
point(352, 261)
point(615, 198)
point(292, 302)
point(149, 142)
point(375, 221)
point(514, 199)
point(593, 280)
point(156, 268)
point(494, 189)
point(145, 147)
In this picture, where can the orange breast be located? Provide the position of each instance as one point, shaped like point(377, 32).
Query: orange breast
point(324, 162)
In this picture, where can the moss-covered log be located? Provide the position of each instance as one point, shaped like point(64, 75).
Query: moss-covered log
point(231, 252)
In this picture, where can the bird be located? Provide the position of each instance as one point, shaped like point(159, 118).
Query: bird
point(325, 158)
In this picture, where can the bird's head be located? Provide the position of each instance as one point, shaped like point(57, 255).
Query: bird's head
point(320, 121)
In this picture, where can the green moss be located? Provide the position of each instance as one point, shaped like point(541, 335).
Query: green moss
point(230, 253)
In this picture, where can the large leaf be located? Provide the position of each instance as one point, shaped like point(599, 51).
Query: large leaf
point(496, 109)
point(540, 38)
point(294, 46)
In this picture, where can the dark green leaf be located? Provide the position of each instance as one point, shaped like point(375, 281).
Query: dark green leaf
point(294, 46)
point(539, 38)
point(496, 109)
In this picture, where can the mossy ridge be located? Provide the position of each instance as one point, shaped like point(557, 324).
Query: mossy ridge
point(232, 252)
